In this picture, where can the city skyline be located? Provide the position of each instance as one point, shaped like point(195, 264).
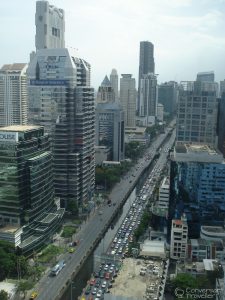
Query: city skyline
point(187, 35)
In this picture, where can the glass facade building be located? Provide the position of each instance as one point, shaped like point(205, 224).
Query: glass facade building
point(26, 180)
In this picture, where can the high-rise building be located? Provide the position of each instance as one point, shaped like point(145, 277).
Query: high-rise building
point(168, 96)
point(146, 63)
point(148, 95)
point(222, 87)
point(114, 83)
point(221, 124)
point(13, 94)
point(28, 214)
point(105, 92)
point(61, 99)
point(197, 113)
point(50, 26)
point(197, 186)
point(205, 76)
point(179, 238)
point(110, 129)
point(128, 99)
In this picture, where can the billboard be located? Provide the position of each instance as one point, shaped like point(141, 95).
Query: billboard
point(8, 136)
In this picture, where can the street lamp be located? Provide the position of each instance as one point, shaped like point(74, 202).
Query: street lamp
point(71, 289)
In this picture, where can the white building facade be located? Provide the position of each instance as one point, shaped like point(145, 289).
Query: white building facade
point(50, 26)
point(13, 94)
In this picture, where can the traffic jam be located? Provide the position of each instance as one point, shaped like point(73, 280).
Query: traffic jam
point(104, 275)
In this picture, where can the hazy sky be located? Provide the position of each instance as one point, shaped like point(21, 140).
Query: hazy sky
point(188, 35)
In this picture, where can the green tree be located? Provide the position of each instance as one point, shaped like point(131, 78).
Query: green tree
point(72, 207)
point(4, 295)
point(24, 286)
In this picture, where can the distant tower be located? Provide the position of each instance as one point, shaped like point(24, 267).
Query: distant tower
point(110, 129)
point(148, 95)
point(205, 76)
point(114, 83)
point(50, 26)
point(128, 99)
point(146, 62)
point(105, 92)
point(13, 95)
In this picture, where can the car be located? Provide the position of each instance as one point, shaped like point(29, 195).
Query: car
point(88, 290)
point(104, 284)
point(99, 294)
point(71, 250)
point(106, 267)
point(94, 291)
point(102, 275)
point(33, 295)
point(98, 283)
point(107, 275)
point(92, 281)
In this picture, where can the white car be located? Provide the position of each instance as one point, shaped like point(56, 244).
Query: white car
point(99, 294)
point(104, 284)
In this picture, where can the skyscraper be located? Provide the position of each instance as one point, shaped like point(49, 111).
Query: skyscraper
point(27, 204)
point(128, 99)
point(148, 95)
point(61, 99)
point(114, 83)
point(110, 129)
point(168, 96)
point(197, 113)
point(50, 26)
point(146, 63)
point(13, 94)
point(105, 92)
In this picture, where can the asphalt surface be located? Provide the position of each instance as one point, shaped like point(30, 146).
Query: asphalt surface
point(50, 287)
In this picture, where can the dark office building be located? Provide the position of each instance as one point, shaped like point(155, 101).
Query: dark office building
point(27, 203)
point(168, 96)
point(221, 124)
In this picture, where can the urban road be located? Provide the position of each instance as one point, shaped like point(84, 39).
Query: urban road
point(52, 288)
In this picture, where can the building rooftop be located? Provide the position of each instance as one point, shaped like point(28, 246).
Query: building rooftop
point(197, 152)
point(214, 229)
point(13, 67)
point(20, 128)
point(9, 229)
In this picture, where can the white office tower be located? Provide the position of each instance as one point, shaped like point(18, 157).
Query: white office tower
point(148, 95)
point(128, 98)
point(61, 99)
point(179, 236)
point(114, 83)
point(50, 26)
point(13, 94)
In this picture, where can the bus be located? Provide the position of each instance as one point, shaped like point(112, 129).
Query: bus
point(57, 268)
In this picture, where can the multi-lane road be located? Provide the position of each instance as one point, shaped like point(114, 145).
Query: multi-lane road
point(52, 288)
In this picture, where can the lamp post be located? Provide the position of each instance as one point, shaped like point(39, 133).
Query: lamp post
point(71, 289)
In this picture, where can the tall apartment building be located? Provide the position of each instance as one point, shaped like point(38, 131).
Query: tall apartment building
point(114, 83)
point(168, 96)
point(13, 94)
point(110, 129)
point(197, 113)
point(148, 93)
point(28, 214)
point(105, 92)
point(179, 237)
point(222, 87)
point(61, 99)
point(146, 63)
point(128, 99)
point(50, 26)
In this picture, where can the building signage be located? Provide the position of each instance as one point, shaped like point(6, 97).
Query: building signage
point(7, 136)
point(48, 82)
